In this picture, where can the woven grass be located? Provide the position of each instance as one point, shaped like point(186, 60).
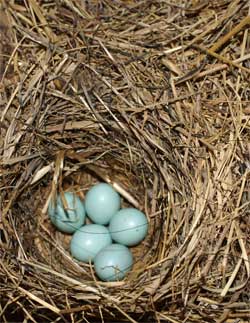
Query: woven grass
point(153, 98)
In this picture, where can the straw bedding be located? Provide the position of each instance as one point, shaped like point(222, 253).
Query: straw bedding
point(153, 98)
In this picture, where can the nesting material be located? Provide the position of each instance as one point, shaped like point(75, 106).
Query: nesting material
point(151, 97)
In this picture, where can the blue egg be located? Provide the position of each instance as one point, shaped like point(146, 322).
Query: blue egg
point(113, 262)
point(67, 219)
point(101, 203)
point(128, 226)
point(87, 241)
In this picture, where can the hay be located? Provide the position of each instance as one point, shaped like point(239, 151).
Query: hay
point(152, 97)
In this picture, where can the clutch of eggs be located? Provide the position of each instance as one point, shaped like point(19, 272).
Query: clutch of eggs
point(105, 242)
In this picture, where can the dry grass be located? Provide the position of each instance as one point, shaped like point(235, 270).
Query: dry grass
point(152, 97)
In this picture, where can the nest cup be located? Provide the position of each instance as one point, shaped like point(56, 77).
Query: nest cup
point(73, 171)
point(127, 179)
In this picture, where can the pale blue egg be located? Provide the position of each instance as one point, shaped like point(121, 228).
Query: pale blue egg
point(113, 262)
point(87, 241)
point(68, 219)
point(101, 203)
point(128, 226)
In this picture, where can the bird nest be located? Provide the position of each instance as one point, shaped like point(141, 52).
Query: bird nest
point(151, 97)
